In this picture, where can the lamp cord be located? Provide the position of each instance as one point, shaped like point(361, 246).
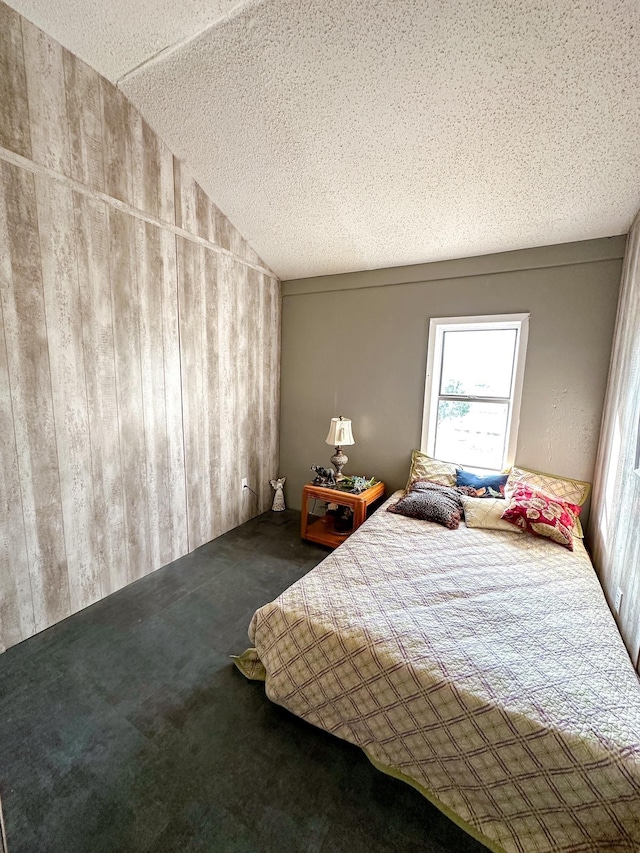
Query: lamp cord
point(251, 490)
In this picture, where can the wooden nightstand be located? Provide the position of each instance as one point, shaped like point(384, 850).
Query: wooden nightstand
point(321, 528)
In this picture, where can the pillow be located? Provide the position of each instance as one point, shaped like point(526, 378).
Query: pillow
point(486, 513)
point(542, 515)
point(431, 502)
point(488, 486)
point(424, 467)
point(560, 488)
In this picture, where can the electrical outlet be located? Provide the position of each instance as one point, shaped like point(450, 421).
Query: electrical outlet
point(245, 483)
point(618, 600)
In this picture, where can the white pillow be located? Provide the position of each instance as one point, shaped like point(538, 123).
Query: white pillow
point(486, 513)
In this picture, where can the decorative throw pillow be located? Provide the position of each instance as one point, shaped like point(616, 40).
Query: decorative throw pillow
point(486, 513)
point(424, 467)
point(431, 502)
point(487, 486)
point(542, 515)
point(561, 488)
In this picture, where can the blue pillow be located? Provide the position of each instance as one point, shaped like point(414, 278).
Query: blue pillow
point(489, 486)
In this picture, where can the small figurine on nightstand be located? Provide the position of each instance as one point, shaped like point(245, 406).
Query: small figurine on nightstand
point(324, 476)
point(278, 498)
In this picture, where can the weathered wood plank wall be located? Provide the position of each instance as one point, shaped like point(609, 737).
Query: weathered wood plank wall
point(139, 345)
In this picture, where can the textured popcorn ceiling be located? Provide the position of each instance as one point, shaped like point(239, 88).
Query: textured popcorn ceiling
point(115, 37)
point(342, 135)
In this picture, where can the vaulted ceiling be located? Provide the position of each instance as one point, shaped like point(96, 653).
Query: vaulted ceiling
point(343, 135)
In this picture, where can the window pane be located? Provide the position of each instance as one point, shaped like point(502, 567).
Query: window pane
point(478, 363)
point(472, 434)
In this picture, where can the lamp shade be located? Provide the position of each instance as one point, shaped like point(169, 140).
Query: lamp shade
point(340, 432)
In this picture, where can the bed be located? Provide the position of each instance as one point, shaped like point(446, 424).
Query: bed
point(480, 666)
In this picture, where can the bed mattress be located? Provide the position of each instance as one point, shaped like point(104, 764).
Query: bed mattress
point(483, 667)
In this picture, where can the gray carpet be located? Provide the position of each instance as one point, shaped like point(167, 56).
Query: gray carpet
point(126, 728)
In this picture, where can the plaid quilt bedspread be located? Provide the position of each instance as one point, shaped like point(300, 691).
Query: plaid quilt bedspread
point(484, 667)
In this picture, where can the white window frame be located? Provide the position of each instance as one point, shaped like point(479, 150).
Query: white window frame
point(437, 327)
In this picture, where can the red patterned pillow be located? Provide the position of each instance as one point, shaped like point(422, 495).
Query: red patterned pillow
point(542, 515)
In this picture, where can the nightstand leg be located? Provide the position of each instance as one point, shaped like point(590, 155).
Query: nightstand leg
point(359, 515)
point(303, 520)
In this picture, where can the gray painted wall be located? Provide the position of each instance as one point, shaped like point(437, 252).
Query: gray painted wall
point(356, 345)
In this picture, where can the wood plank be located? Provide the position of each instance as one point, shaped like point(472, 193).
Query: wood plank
point(176, 493)
point(200, 322)
point(248, 254)
point(152, 180)
point(236, 242)
point(16, 606)
point(144, 184)
point(149, 279)
point(47, 99)
point(166, 197)
point(227, 330)
point(206, 221)
point(190, 302)
point(92, 238)
point(217, 223)
point(30, 382)
point(213, 496)
point(264, 488)
point(177, 180)
point(56, 223)
point(239, 354)
point(126, 311)
point(223, 230)
point(239, 246)
point(15, 130)
point(202, 463)
point(273, 330)
point(253, 465)
point(266, 493)
point(185, 198)
point(156, 173)
point(184, 276)
point(269, 385)
point(84, 117)
point(116, 143)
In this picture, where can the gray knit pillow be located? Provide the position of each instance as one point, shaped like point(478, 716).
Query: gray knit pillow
point(431, 502)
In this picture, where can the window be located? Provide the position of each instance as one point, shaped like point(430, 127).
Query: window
point(475, 368)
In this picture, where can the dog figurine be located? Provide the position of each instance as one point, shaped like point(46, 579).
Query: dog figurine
point(278, 498)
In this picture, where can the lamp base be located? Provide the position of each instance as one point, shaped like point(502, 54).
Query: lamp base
point(339, 460)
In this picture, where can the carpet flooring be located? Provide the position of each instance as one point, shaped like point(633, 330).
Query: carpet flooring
point(126, 728)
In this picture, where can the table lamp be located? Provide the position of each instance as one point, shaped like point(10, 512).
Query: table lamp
point(339, 434)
